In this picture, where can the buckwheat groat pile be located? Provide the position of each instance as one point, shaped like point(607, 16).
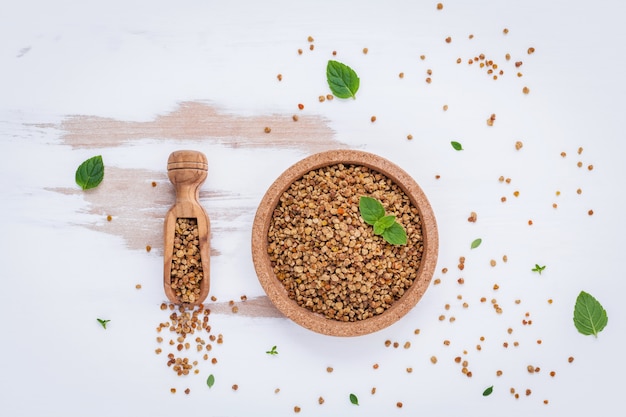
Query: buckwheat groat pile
point(328, 258)
point(186, 270)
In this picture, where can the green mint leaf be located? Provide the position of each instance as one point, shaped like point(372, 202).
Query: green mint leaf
point(342, 80)
point(538, 268)
point(396, 235)
point(589, 315)
point(457, 146)
point(488, 391)
point(383, 224)
point(354, 400)
point(210, 381)
point(90, 173)
point(103, 323)
point(272, 351)
point(371, 210)
point(476, 243)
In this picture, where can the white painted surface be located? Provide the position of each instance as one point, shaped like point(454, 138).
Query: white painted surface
point(133, 62)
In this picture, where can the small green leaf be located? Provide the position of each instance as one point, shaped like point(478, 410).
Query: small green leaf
point(488, 391)
point(371, 209)
point(383, 224)
point(90, 173)
point(272, 351)
point(396, 235)
point(538, 268)
point(589, 315)
point(354, 400)
point(342, 80)
point(456, 145)
point(476, 243)
point(103, 322)
point(210, 380)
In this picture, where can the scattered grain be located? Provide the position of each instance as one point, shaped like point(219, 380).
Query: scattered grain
point(433, 359)
point(531, 50)
point(439, 6)
point(109, 218)
point(365, 50)
point(320, 400)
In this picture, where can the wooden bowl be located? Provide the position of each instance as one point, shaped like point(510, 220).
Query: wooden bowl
point(275, 289)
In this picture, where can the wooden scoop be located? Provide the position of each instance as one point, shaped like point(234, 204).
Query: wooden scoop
point(187, 226)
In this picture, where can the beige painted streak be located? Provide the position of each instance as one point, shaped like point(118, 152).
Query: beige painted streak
point(195, 120)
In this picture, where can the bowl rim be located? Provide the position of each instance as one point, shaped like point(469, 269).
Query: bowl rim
point(315, 321)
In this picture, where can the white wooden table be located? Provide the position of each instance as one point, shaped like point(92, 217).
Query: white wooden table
point(135, 81)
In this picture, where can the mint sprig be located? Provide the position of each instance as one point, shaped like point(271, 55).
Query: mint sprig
point(103, 323)
point(373, 213)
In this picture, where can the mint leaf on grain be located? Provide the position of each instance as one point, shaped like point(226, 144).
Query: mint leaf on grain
point(396, 235)
point(457, 146)
point(589, 315)
point(210, 381)
point(476, 243)
point(373, 213)
point(383, 224)
point(90, 173)
point(371, 210)
point(342, 80)
point(354, 400)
